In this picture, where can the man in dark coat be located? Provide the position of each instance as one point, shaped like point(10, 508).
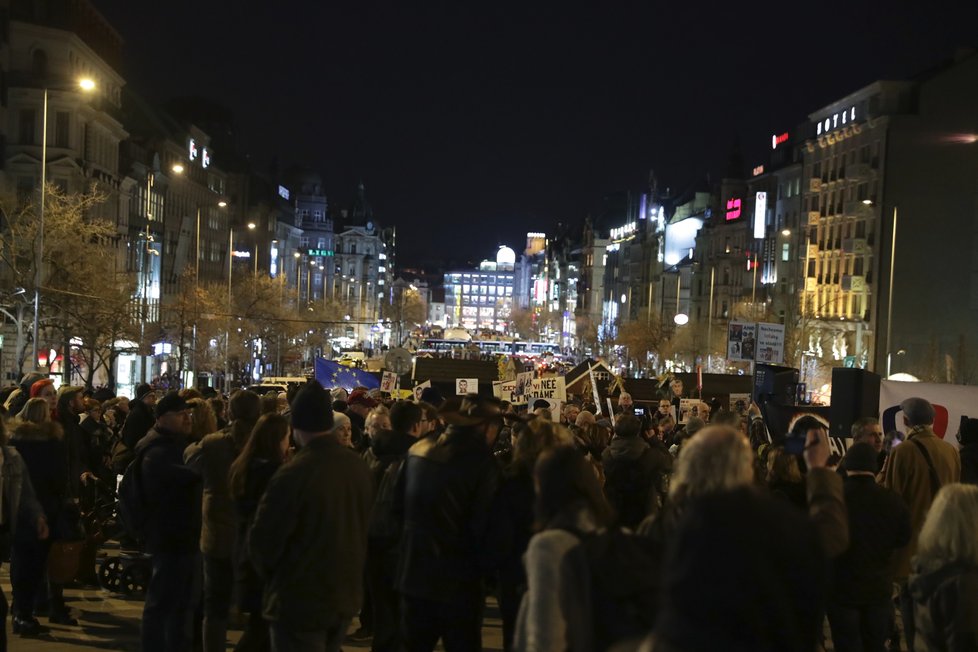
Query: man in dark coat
point(445, 493)
point(171, 497)
point(309, 537)
point(635, 472)
point(140, 418)
point(860, 607)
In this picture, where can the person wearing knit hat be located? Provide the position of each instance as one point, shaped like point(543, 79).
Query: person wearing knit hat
point(916, 469)
point(860, 608)
point(308, 541)
point(968, 438)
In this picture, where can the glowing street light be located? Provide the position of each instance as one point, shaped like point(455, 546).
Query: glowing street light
point(681, 319)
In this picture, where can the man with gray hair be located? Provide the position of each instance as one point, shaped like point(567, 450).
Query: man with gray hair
point(916, 469)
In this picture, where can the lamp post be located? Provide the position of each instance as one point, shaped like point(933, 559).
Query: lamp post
point(889, 302)
point(227, 332)
point(298, 279)
point(86, 85)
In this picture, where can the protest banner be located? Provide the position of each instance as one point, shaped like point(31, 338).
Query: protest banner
point(741, 341)
point(388, 382)
point(770, 343)
point(524, 384)
point(950, 402)
point(550, 388)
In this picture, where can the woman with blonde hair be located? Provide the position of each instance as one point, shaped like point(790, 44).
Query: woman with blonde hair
point(205, 421)
point(944, 584)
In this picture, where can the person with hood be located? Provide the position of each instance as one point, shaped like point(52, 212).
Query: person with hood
point(968, 438)
point(944, 583)
point(385, 457)
point(308, 541)
point(212, 457)
point(21, 517)
point(635, 472)
point(140, 418)
point(40, 443)
point(16, 402)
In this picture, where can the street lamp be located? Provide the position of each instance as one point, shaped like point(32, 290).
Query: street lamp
point(86, 85)
point(227, 332)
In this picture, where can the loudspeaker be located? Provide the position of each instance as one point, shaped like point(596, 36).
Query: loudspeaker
point(855, 394)
point(775, 384)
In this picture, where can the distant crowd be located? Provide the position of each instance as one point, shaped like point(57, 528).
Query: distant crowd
point(625, 531)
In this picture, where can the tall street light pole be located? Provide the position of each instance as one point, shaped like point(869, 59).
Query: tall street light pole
point(889, 302)
point(227, 332)
point(86, 85)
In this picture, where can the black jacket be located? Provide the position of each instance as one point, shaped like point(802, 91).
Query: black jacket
point(308, 541)
point(260, 472)
point(444, 493)
point(879, 524)
point(946, 608)
point(969, 463)
point(42, 448)
point(172, 492)
point(137, 424)
point(387, 449)
point(635, 475)
point(512, 524)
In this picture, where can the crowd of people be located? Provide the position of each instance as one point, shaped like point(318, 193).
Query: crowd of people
point(592, 531)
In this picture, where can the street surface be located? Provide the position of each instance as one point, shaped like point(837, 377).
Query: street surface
point(111, 622)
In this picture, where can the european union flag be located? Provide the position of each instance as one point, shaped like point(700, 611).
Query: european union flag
point(332, 374)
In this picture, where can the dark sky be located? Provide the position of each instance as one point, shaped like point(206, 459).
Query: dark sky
point(473, 123)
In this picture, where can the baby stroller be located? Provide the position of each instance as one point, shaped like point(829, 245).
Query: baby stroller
point(124, 568)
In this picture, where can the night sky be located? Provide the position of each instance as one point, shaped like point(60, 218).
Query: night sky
point(488, 120)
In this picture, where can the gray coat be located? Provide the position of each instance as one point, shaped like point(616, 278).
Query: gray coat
point(18, 493)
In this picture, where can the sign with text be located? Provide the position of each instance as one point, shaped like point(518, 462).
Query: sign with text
point(770, 343)
point(552, 389)
point(755, 342)
point(506, 391)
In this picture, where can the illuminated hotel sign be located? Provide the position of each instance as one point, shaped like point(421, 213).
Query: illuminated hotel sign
point(318, 253)
point(241, 254)
point(837, 120)
point(623, 232)
point(760, 213)
point(778, 139)
point(733, 209)
point(758, 171)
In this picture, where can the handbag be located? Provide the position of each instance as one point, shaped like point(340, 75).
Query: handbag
point(63, 561)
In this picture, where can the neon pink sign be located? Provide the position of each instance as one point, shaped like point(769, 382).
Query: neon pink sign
point(733, 209)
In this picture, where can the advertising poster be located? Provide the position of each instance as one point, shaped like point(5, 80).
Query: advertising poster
point(770, 343)
point(741, 341)
point(465, 386)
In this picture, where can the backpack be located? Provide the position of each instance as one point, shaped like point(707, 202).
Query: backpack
point(132, 507)
point(624, 572)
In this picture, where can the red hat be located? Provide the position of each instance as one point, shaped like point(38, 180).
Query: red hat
point(360, 397)
point(39, 385)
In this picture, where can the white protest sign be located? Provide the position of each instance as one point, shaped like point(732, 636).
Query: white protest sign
point(419, 390)
point(465, 386)
point(770, 343)
point(524, 384)
point(741, 341)
point(552, 388)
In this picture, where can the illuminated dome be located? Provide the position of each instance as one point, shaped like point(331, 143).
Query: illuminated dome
point(505, 256)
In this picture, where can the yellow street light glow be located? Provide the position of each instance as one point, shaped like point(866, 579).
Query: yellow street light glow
point(251, 225)
point(222, 204)
point(297, 254)
point(86, 84)
point(786, 232)
point(868, 202)
point(177, 168)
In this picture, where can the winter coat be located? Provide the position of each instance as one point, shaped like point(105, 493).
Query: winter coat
point(309, 537)
point(907, 473)
point(171, 491)
point(969, 463)
point(743, 572)
point(77, 447)
point(386, 449)
point(635, 477)
point(555, 613)
point(21, 508)
point(946, 608)
point(827, 510)
point(879, 525)
point(137, 424)
point(260, 472)
point(511, 525)
point(42, 448)
point(445, 492)
point(211, 457)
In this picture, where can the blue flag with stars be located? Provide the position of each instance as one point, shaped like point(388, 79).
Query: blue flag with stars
point(332, 374)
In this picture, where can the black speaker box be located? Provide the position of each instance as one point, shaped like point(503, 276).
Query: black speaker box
point(855, 394)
